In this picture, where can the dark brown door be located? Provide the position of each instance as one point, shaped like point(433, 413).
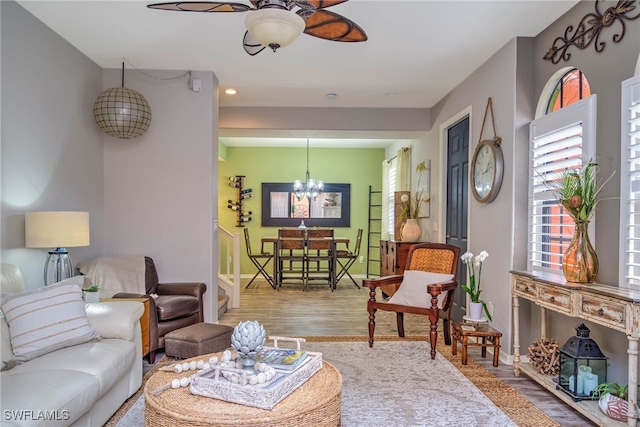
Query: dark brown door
point(457, 202)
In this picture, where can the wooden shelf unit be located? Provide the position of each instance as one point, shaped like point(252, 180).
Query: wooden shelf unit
point(610, 306)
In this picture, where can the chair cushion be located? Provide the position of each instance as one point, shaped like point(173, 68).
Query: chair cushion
point(175, 306)
point(413, 289)
point(46, 319)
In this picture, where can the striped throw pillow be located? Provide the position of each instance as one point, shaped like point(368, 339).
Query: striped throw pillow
point(47, 319)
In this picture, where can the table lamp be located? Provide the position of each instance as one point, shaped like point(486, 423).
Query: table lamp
point(58, 230)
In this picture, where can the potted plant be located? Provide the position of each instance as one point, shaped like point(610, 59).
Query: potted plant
point(473, 288)
point(613, 400)
point(411, 231)
point(91, 294)
point(412, 204)
point(577, 191)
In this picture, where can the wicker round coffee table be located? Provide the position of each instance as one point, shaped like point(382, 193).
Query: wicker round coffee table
point(314, 403)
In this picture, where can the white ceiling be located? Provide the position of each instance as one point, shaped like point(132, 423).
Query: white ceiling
point(417, 52)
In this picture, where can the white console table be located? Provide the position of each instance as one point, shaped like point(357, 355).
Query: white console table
point(609, 306)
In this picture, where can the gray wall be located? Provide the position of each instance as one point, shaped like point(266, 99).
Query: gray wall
point(159, 190)
point(153, 195)
point(490, 225)
point(605, 72)
point(51, 149)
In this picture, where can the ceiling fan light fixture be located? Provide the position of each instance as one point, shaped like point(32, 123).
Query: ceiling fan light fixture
point(273, 27)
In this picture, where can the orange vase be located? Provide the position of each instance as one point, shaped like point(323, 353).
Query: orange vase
point(580, 261)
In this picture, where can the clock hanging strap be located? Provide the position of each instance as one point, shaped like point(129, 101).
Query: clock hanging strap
point(496, 138)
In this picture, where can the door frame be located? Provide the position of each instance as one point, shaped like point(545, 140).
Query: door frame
point(442, 203)
point(444, 134)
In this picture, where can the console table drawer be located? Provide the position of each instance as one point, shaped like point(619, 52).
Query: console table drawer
point(555, 298)
point(525, 287)
point(603, 310)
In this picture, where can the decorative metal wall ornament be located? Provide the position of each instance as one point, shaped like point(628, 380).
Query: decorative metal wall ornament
point(122, 112)
point(589, 29)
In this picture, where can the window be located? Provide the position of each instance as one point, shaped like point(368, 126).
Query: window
point(630, 185)
point(570, 88)
point(391, 185)
point(560, 140)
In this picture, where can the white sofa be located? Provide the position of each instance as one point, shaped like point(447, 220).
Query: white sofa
point(79, 385)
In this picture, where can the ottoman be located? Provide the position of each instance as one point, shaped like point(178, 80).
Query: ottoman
point(197, 339)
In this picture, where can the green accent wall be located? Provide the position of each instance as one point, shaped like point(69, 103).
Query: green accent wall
point(355, 166)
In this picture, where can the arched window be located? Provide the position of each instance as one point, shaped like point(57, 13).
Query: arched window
point(561, 137)
point(571, 87)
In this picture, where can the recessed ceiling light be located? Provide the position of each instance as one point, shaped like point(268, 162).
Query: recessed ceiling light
point(331, 95)
point(391, 94)
point(230, 91)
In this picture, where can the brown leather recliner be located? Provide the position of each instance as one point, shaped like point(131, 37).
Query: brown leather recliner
point(176, 305)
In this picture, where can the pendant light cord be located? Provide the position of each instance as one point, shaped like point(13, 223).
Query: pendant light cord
point(307, 159)
point(188, 73)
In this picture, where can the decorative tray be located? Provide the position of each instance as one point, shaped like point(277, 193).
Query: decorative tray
point(265, 395)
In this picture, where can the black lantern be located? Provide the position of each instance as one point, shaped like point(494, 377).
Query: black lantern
point(582, 365)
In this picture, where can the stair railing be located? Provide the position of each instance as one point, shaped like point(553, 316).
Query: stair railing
point(229, 265)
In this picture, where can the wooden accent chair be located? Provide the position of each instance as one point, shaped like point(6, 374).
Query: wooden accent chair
point(438, 258)
point(259, 259)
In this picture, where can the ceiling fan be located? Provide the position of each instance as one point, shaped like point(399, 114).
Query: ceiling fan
point(275, 24)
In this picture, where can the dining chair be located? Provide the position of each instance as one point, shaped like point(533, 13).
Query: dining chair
point(346, 258)
point(320, 263)
point(259, 259)
point(291, 256)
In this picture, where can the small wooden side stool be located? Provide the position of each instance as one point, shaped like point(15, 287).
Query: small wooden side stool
point(485, 336)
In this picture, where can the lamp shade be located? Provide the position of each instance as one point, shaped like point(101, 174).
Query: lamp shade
point(56, 229)
point(122, 112)
point(274, 27)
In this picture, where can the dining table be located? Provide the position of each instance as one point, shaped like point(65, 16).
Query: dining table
point(334, 243)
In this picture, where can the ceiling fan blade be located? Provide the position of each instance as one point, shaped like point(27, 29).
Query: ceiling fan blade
point(201, 6)
point(331, 26)
point(322, 4)
point(251, 45)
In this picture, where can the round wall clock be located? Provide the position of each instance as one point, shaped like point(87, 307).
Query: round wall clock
point(487, 168)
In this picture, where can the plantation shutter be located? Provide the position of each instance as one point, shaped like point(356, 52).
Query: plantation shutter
point(391, 197)
point(558, 141)
point(630, 185)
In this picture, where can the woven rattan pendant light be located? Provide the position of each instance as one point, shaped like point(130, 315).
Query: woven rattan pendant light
point(122, 112)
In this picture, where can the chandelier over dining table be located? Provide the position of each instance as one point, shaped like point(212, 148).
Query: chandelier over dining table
point(310, 188)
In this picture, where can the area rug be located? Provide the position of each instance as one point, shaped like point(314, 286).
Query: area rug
point(396, 383)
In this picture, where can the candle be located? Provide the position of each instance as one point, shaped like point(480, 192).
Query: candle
point(571, 387)
point(590, 382)
point(582, 371)
point(580, 384)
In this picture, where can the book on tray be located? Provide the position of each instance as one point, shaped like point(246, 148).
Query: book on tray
point(283, 358)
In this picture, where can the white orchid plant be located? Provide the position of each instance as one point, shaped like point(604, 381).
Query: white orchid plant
point(473, 288)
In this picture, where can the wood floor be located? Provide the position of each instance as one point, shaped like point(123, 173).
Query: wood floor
point(292, 312)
